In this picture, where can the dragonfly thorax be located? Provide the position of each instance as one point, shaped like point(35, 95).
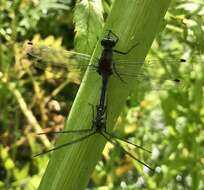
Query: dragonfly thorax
point(105, 63)
point(108, 42)
point(99, 124)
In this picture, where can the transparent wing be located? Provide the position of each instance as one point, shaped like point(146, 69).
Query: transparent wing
point(137, 68)
point(158, 74)
point(154, 72)
point(58, 59)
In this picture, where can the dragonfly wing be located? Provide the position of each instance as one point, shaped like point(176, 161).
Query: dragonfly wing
point(159, 75)
point(150, 64)
point(58, 59)
point(147, 82)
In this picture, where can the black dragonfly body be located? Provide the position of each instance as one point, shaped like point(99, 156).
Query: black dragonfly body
point(106, 65)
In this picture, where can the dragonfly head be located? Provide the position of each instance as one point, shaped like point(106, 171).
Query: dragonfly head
point(108, 42)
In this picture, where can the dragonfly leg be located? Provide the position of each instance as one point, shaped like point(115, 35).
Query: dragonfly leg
point(118, 74)
point(79, 131)
point(66, 132)
point(111, 32)
point(93, 116)
point(92, 107)
point(126, 141)
point(126, 52)
point(116, 144)
point(67, 144)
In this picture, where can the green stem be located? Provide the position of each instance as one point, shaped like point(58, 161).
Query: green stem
point(71, 167)
point(28, 113)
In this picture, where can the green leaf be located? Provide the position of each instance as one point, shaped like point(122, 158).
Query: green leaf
point(88, 19)
point(71, 167)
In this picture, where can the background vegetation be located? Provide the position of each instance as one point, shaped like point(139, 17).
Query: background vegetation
point(170, 122)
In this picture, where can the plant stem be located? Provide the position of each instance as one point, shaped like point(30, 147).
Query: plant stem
point(70, 168)
point(26, 111)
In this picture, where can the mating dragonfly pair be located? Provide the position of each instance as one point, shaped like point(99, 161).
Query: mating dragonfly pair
point(105, 66)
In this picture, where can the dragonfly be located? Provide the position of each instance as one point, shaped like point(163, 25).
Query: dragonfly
point(98, 127)
point(105, 66)
point(161, 75)
point(99, 121)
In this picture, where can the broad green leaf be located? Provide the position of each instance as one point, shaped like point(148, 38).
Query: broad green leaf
point(88, 19)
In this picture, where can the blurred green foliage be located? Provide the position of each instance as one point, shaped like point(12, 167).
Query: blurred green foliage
point(170, 123)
